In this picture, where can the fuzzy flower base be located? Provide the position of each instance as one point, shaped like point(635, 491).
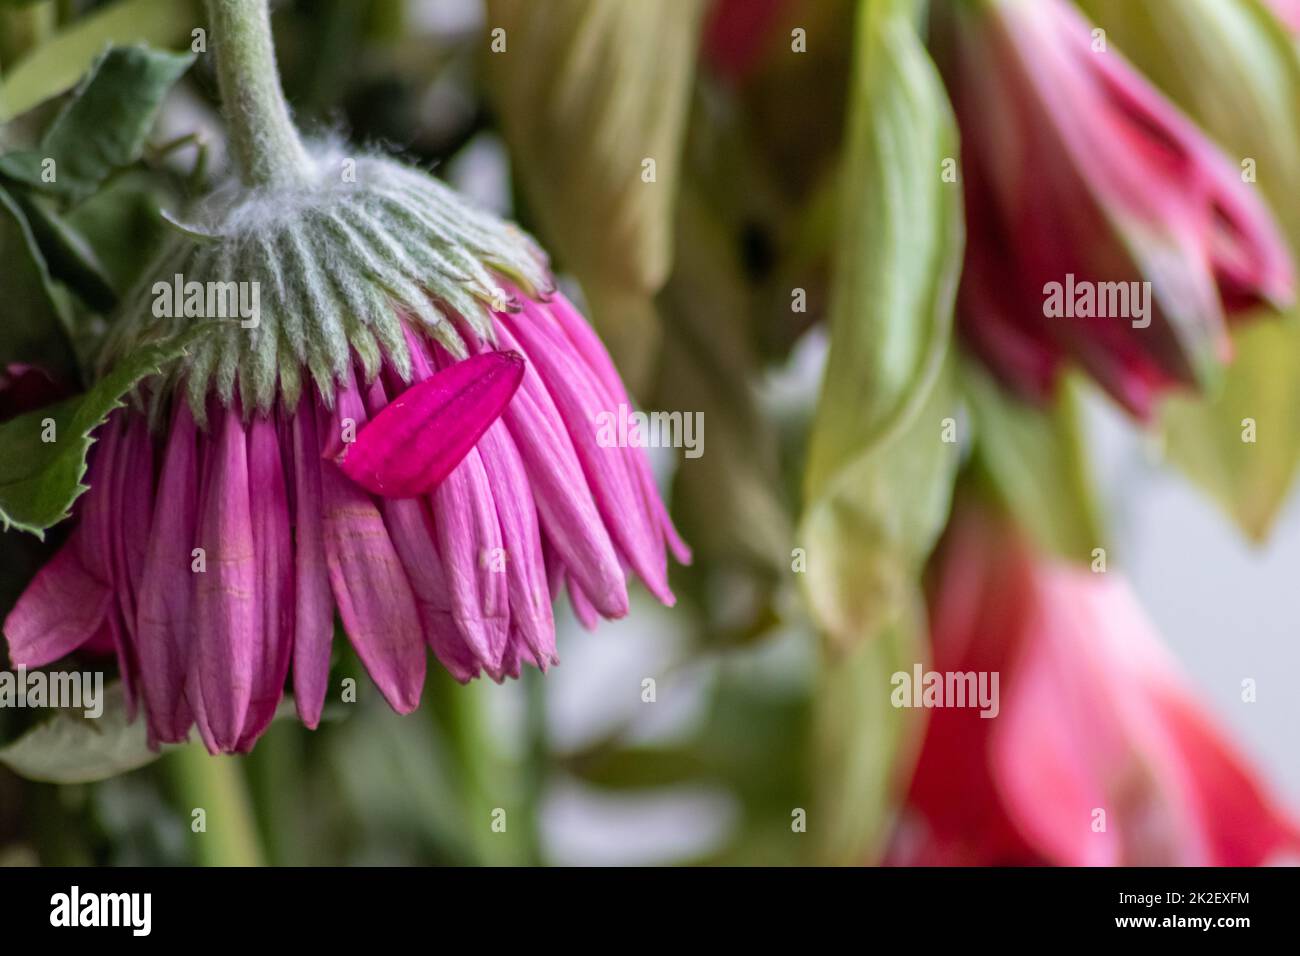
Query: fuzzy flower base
point(214, 557)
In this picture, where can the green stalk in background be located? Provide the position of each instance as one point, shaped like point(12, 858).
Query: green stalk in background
point(216, 786)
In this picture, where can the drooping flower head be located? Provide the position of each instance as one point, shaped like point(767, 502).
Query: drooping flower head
point(1083, 182)
point(1093, 715)
point(395, 421)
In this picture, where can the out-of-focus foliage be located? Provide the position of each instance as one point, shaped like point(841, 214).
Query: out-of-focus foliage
point(880, 468)
point(879, 474)
point(1034, 461)
point(56, 65)
point(593, 98)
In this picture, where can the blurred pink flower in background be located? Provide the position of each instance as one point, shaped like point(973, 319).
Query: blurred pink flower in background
point(736, 35)
point(1287, 11)
point(1094, 718)
point(490, 517)
point(1075, 166)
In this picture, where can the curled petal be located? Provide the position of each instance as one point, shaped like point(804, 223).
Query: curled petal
point(423, 434)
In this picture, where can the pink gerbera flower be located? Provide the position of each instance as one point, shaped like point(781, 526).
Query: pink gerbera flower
point(397, 421)
point(215, 555)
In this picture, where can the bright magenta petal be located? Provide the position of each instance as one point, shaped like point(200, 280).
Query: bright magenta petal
point(423, 434)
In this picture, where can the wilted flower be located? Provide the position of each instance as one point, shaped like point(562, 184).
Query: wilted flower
point(222, 530)
point(1100, 753)
point(1083, 182)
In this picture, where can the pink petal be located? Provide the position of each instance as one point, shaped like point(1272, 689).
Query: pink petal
point(165, 616)
point(411, 529)
point(580, 400)
point(102, 544)
point(274, 555)
point(1098, 717)
point(416, 441)
point(228, 611)
point(1241, 823)
point(371, 588)
point(565, 506)
point(63, 607)
point(592, 351)
point(314, 610)
point(583, 609)
point(132, 529)
point(530, 600)
point(1051, 773)
point(469, 540)
point(410, 526)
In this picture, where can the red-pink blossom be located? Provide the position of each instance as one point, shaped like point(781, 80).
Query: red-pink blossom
point(1100, 754)
point(1077, 170)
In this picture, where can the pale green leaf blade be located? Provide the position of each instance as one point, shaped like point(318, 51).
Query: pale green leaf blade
point(1243, 447)
point(73, 748)
point(880, 473)
point(867, 541)
point(1034, 461)
point(55, 66)
point(863, 745)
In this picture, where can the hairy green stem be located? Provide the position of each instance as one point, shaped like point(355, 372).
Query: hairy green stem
point(263, 139)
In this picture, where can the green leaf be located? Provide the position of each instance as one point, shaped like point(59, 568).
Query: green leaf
point(1231, 66)
point(104, 126)
point(1250, 480)
point(879, 475)
point(69, 257)
point(588, 91)
point(40, 480)
point(1035, 462)
point(868, 538)
point(55, 66)
point(122, 224)
point(72, 748)
point(34, 322)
